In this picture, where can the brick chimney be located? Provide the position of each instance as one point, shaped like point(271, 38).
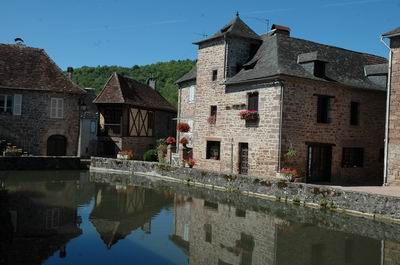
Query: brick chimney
point(279, 29)
point(393, 120)
point(70, 71)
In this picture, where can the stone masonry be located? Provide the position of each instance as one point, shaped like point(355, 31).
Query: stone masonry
point(33, 127)
point(393, 170)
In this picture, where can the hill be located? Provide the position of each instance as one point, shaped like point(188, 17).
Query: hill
point(165, 73)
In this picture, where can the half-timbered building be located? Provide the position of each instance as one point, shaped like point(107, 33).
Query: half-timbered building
point(132, 115)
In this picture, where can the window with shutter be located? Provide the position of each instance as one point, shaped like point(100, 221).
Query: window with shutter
point(323, 109)
point(252, 103)
point(6, 104)
point(56, 108)
point(17, 104)
point(191, 93)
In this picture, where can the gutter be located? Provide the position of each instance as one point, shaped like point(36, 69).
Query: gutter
point(385, 168)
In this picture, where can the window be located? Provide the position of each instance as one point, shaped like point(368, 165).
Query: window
point(353, 157)
point(6, 104)
point(213, 150)
point(252, 101)
point(213, 115)
point(192, 91)
point(208, 232)
point(93, 127)
point(319, 69)
point(323, 109)
point(354, 113)
point(253, 50)
point(57, 108)
point(214, 75)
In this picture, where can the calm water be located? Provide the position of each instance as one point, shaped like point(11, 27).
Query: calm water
point(64, 218)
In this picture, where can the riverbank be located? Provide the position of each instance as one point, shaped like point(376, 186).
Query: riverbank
point(43, 163)
point(373, 206)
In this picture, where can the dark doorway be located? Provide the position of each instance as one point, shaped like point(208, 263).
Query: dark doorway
point(319, 163)
point(57, 145)
point(243, 158)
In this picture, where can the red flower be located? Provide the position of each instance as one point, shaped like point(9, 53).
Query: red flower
point(191, 162)
point(183, 127)
point(170, 140)
point(184, 141)
point(248, 114)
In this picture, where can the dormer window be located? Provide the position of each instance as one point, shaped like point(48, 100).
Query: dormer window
point(319, 69)
point(313, 63)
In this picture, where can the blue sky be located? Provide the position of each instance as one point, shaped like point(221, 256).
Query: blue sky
point(126, 32)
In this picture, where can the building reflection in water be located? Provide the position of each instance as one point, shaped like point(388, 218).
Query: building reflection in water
point(121, 209)
point(38, 215)
point(212, 233)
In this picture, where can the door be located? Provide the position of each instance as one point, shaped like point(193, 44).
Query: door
point(319, 163)
point(243, 158)
point(57, 145)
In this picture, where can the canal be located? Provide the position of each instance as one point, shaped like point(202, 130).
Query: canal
point(74, 217)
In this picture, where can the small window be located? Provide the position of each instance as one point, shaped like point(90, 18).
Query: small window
point(252, 101)
point(354, 113)
point(319, 69)
point(214, 75)
point(57, 108)
point(208, 233)
point(323, 109)
point(353, 157)
point(6, 103)
point(213, 115)
point(213, 150)
point(192, 91)
point(93, 127)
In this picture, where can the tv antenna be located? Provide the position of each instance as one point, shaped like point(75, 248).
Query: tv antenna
point(263, 20)
point(203, 35)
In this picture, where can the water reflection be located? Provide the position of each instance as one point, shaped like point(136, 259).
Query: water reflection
point(49, 217)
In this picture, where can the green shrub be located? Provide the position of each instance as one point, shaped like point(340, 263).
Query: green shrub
point(150, 155)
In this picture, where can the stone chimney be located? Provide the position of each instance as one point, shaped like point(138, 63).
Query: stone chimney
point(151, 83)
point(393, 137)
point(279, 29)
point(70, 71)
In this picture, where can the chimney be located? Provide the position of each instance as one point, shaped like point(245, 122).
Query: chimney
point(70, 71)
point(279, 29)
point(151, 82)
point(19, 41)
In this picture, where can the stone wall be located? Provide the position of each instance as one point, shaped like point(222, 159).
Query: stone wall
point(33, 127)
point(377, 206)
point(393, 170)
point(40, 163)
point(300, 125)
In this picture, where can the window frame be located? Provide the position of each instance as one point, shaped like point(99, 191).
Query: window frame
point(212, 144)
point(250, 104)
point(59, 108)
point(325, 116)
point(5, 109)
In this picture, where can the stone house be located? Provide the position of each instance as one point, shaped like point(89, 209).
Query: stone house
point(133, 116)
point(39, 104)
point(392, 170)
point(252, 99)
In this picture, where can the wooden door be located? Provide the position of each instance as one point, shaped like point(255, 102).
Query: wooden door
point(243, 158)
point(319, 163)
point(56, 145)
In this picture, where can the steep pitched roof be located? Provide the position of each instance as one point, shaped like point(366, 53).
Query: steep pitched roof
point(189, 76)
point(23, 67)
point(393, 33)
point(124, 90)
point(235, 28)
point(279, 55)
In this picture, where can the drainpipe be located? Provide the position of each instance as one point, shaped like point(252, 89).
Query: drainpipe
point(179, 119)
point(231, 155)
point(280, 127)
point(385, 169)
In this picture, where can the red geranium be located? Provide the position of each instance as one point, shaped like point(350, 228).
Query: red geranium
point(170, 140)
point(183, 127)
point(184, 141)
point(248, 114)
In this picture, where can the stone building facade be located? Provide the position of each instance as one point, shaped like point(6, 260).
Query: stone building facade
point(39, 104)
point(393, 121)
point(290, 84)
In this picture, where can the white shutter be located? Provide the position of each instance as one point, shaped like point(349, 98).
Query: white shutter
point(17, 104)
point(60, 108)
point(191, 93)
point(53, 108)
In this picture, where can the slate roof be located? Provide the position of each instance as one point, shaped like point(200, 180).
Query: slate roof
point(189, 76)
point(235, 28)
point(124, 90)
point(23, 67)
point(279, 55)
point(392, 33)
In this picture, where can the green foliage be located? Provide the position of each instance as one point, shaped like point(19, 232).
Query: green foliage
point(150, 155)
point(165, 73)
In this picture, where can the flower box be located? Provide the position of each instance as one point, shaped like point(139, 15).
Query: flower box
point(212, 119)
point(249, 114)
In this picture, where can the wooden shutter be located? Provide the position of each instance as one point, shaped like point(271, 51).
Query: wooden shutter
point(17, 104)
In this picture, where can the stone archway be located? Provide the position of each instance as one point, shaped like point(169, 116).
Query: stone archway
point(57, 145)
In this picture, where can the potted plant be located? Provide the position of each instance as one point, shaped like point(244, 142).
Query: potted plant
point(212, 119)
point(183, 127)
point(126, 154)
point(290, 173)
point(191, 162)
point(248, 114)
point(184, 141)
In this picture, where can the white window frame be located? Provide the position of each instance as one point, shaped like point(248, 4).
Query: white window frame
point(192, 93)
point(4, 107)
point(56, 108)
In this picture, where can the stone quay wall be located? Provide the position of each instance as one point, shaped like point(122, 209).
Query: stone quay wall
point(40, 163)
point(379, 207)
